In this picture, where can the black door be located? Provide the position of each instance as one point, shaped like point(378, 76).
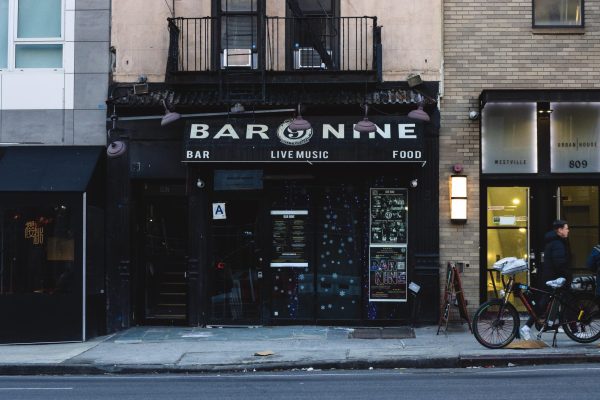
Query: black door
point(234, 260)
point(162, 267)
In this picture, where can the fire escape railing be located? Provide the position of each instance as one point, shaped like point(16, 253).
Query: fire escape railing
point(308, 44)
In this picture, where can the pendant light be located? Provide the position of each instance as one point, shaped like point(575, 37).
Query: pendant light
point(365, 126)
point(299, 123)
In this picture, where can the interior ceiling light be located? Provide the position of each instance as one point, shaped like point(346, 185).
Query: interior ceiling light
point(299, 123)
point(365, 126)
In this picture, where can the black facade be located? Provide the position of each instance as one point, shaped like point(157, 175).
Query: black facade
point(272, 233)
point(52, 239)
point(228, 216)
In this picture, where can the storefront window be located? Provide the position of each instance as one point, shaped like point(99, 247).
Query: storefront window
point(507, 233)
point(509, 138)
point(38, 250)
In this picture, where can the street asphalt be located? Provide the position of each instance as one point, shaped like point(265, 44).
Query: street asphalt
point(205, 350)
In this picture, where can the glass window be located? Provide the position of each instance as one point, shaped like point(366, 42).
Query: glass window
point(238, 5)
point(36, 40)
point(38, 56)
point(38, 250)
point(567, 13)
point(579, 207)
point(238, 32)
point(509, 138)
point(507, 233)
point(3, 33)
point(39, 19)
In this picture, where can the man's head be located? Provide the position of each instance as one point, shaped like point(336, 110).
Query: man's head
point(561, 228)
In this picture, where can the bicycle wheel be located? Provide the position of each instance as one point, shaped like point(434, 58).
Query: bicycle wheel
point(581, 319)
point(495, 324)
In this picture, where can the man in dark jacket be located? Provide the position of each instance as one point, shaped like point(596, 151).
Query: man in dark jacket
point(557, 264)
point(557, 254)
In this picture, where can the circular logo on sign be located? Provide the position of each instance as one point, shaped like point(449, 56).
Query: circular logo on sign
point(293, 138)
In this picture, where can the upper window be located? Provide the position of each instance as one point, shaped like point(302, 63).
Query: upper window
point(31, 34)
point(557, 13)
point(239, 33)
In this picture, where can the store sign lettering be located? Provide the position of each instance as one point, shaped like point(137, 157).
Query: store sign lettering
point(329, 139)
point(252, 131)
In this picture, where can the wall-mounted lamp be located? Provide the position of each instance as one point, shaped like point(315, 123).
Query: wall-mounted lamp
point(473, 115)
point(458, 198)
point(170, 116)
point(237, 108)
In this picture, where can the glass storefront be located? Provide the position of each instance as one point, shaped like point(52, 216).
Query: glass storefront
point(507, 232)
point(38, 250)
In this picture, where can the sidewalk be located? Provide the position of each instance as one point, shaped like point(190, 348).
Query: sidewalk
point(196, 350)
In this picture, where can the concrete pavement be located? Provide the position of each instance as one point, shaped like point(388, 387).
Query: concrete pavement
point(196, 350)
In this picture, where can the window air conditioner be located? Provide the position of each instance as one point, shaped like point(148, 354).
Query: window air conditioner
point(308, 57)
point(236, 58)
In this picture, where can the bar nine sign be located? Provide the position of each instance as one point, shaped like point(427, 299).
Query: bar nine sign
point(330, 139)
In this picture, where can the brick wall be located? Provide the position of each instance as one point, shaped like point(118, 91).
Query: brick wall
point(491, 45)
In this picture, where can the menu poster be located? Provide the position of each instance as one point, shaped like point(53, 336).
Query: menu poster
point(387, 274)
point(289, 238)
point(388, 216)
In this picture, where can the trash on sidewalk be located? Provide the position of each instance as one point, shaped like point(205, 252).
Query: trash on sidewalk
point(526, 344)
point(264, 353)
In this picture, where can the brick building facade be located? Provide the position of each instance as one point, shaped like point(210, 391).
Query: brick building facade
point(497, 47)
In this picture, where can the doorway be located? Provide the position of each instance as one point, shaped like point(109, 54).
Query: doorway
point(162, 247)
point(234, 261)
point(517, 218)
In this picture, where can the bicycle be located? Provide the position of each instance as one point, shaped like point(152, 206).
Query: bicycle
point(496, 322)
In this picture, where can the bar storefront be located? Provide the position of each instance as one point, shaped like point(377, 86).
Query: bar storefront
point(257, 224)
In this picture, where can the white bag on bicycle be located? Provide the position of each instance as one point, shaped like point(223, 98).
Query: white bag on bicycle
point(514, 267)
point(500, 264)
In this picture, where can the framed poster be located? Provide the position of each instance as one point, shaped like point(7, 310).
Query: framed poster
point(289, 238)
point(388, 216)
point(387, 274)
point(388, 245)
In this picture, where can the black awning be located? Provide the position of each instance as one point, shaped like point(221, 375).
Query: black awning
point(47, 168)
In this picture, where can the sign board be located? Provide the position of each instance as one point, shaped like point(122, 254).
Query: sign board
point(388, 216)
point(330, 139)
point(219, 211)
point(388, 245)
point(509, 138)
point(289, 238)
point(574, 137)
point(387, 274)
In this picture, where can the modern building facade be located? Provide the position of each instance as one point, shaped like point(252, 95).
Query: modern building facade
point(54, 64)
point(520, 114)
point(242, 191)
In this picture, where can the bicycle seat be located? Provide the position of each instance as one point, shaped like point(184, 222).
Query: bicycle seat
point(556, 283)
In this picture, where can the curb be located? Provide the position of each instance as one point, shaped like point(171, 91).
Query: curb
point(404, 363)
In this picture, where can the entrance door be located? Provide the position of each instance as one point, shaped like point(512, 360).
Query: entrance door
point(234, 263)
point(516, 229)
point(163, 254)
point(578, 205)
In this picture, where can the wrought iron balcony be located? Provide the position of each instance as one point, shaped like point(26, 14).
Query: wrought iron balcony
point(280, 44)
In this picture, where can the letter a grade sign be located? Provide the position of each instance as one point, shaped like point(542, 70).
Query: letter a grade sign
point(219, 211)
